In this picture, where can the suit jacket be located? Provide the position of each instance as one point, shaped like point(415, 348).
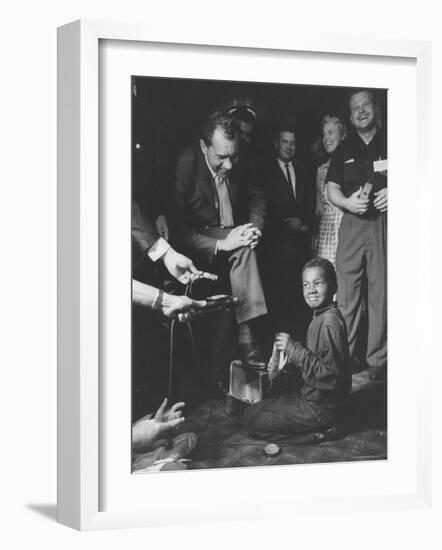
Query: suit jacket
point(197, 208)
point(281, 200)
point(144, 235)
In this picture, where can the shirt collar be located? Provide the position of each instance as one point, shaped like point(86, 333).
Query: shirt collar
point(282, 163)
point(321, 310)
point(373, 141)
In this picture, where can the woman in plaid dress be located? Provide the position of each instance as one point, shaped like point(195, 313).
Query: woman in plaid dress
point(333, 132)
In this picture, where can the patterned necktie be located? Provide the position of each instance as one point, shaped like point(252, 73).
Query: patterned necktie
point(289, 177)
point(225, 207)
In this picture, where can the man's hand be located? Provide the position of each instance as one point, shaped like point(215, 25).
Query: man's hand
point(173, 413)
point(180, 266)
point(162, 226)
point(294, 224)
point(381, 200)
point(304, 228)
point(357, 204)
point(284, 342)
point(255, 234)
point(147, 430)
point(182, 308)
point(240, 236)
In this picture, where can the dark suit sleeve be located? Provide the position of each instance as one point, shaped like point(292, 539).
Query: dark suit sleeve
point(192, 240)
point(144, 234)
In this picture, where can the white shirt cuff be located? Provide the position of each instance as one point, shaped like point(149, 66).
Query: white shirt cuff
point(158, 249)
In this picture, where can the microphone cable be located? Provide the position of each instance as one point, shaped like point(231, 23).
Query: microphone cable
point(188, 292)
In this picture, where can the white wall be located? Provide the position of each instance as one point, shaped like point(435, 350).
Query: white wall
point(28, 277)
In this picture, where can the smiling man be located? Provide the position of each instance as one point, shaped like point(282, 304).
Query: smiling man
point(220, 215)
point(357, 183)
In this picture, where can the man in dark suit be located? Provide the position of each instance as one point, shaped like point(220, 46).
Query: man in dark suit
point(150, 304)
point(220, 215)
point(290, 206)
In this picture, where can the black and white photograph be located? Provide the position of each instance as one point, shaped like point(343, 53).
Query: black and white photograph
point(195, 275)
point(259, 274)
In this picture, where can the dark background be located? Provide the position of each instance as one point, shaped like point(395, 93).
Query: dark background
point(168, 113)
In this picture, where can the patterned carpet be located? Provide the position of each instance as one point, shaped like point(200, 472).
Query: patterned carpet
point(223, 443)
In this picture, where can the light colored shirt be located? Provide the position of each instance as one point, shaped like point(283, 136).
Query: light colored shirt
point(158, 249)
point(225, 210)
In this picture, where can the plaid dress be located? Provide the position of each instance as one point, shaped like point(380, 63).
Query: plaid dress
point(327, 237)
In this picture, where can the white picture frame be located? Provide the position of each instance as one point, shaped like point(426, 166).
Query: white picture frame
point(80, 443)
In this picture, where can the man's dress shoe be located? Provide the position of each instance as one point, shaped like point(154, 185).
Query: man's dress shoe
point(251, 357)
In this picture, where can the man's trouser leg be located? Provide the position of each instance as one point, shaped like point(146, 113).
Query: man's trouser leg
point(246, 285)
point(376, 239)
point(245, 278)
point(350, 268)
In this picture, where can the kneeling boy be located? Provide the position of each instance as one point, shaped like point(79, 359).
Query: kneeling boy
point(323, 363)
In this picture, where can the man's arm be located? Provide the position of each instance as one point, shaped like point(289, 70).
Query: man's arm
point(147, 241)
point(354, 203)
point(170, 305)
point(319, 207)
point(144, 232)
point(191, 239)
point(145, 238)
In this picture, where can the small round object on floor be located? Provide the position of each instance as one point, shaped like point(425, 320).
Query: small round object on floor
point(272, 449)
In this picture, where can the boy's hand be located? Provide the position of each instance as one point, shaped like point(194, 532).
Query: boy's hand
point(284, 342)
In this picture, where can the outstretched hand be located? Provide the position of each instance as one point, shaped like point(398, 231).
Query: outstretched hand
point(180, 267)
point(147, 430)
